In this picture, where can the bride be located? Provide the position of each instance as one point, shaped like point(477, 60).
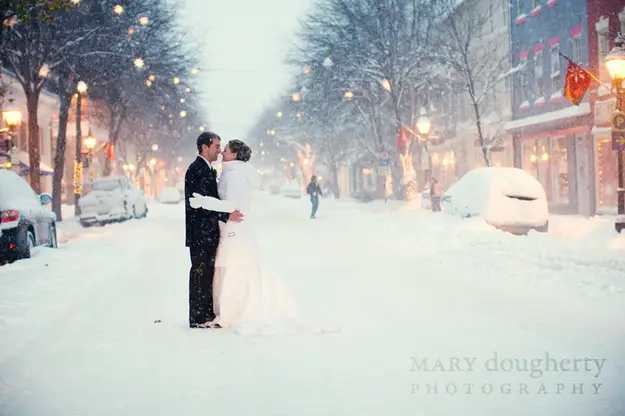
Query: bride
point(248, 297)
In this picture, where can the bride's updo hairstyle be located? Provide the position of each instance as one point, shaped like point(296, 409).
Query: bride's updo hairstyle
point(243, 151)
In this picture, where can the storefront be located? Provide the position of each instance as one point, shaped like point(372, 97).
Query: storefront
point(548, 160)
point(499, 154)
point(606, 172)
point(606, 178)
point(445, 167)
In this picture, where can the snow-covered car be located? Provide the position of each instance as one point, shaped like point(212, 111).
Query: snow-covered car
point(292, 190)
point(25, 220)
point(112, 199)
point(510, 199)
point(169, 195)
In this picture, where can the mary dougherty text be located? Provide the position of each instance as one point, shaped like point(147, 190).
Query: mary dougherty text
point(534, 367)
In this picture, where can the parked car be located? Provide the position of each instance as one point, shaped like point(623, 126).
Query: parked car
point(169, 195)
point(510, 199)
point(112, 199)
point(25, 220)
point(292, 190)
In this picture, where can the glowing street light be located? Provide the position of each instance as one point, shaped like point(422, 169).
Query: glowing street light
point(176, 80)
point(81, 87)
point(11, 115)
point(183, 113)
point(89, 142)
point(143, 20)
point(423, 124)
point(119, 9)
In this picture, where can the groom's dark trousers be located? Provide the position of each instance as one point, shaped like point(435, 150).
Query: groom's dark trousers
point(202, 238)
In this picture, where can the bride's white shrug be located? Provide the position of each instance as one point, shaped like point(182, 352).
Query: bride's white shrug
point(237, 243)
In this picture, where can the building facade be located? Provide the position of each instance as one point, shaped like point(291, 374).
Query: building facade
point(551, 135)
point(606, 18)
point(48, 107)
point(457, 148)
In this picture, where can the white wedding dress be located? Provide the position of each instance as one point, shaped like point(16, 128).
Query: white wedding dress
point(249, 297)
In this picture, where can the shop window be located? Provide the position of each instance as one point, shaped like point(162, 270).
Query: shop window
point(560, 170)
point(530, 158)
point(607, 174)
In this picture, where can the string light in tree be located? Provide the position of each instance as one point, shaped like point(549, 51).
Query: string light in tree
point(44, 71)
point(139, 63)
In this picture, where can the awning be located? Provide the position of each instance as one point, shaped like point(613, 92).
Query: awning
point(25, 165)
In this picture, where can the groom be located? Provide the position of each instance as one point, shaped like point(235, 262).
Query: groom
point(202, 230)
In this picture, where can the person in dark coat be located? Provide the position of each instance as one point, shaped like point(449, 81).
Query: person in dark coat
point(314, 190)
point(202, 230)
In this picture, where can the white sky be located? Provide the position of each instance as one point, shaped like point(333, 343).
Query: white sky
point(245, 44)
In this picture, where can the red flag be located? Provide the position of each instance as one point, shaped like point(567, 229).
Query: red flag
point(402, 138)
point(576, 84)
point(109, 150)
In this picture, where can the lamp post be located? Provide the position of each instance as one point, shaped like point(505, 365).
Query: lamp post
point(615, 63)
point(81, 88)
point(12, 117)
point(423, 126)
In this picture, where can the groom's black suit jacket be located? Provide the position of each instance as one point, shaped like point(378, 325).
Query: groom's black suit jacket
point(202, 226)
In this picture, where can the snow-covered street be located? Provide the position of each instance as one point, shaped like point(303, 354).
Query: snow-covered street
point(407, 288)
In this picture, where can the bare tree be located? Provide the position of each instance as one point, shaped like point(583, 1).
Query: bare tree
point(378, 52)
point(474, 63)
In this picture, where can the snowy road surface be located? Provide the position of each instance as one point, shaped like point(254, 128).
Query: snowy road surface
point(439, 317)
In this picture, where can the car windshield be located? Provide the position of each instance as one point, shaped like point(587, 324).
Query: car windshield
point(106, 185)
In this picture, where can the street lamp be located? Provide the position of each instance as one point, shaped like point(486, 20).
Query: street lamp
point(155, 148)
point(615, 63)
point(89, 142)
point(12, 117)
point(81, 88)
point(423, 124)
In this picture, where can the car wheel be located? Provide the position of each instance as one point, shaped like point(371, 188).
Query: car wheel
point(53, 241)
point(26, 245)
point(134, 212)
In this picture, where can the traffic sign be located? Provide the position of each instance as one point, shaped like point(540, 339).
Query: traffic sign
point(618, 121)
point(618, 140)
point(384, 160)
point(618, 131)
